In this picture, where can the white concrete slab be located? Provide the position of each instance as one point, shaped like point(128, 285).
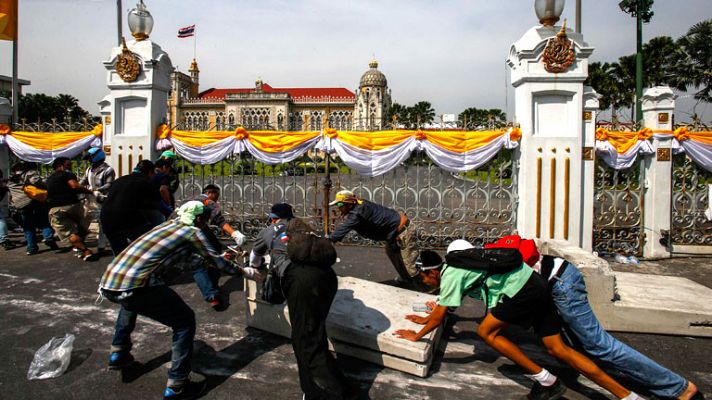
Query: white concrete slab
point(662, 304)
point(360, 324)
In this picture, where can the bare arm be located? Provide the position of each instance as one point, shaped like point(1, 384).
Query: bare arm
point(432, 321)
point(76, 186)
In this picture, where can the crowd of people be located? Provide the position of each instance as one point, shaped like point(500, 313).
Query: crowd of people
point(152, 241)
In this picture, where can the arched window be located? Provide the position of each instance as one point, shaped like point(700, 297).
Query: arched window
point(280, 121)
point(231, 120)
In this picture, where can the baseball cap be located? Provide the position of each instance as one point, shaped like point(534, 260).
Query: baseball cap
point(344, 196)
point(168, 154)
point(281, 210)
point(459, 244)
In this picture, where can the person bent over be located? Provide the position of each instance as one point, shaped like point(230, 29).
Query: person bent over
point(376, 222)
point(66, 213)
point(517, 297)
point(134, 280)
point(568, 292)
point(310, 290)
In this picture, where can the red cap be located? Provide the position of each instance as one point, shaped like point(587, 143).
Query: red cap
point(527, 247)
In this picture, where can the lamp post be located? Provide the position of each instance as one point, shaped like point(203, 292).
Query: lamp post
point(140, 22)
point(548, 11)
point(641, 10)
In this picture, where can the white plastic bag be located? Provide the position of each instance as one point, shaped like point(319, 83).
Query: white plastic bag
point(52, 359)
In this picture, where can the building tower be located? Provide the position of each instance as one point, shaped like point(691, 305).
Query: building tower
point(373, 99)
point(194, 77)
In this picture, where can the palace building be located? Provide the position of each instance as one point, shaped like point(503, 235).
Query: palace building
point(267, 107)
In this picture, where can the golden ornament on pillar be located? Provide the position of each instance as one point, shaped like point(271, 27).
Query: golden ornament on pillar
point(127, 65)
point(559, 52)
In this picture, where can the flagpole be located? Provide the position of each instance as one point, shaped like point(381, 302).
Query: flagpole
point(195, 40)
point(15, 86)
point(118, 22)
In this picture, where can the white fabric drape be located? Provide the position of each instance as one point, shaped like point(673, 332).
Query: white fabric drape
point(373, 163)
point(613, 159)
point(27, 153)
point(460, 162)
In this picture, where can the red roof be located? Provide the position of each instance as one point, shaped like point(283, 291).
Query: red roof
point(297, 94)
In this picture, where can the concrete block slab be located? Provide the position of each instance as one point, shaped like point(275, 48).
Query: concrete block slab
point(361, 322)
point(661, 304)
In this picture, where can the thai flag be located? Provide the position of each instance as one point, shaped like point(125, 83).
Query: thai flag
point(188, 31)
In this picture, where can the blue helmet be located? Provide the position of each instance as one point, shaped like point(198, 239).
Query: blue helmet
point(96, 154)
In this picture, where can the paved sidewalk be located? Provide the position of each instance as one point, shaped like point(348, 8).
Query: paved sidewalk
point(53, 294)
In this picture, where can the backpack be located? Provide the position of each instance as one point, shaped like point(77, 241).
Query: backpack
point(35, 193)
point(306, 247)
point(494, 261)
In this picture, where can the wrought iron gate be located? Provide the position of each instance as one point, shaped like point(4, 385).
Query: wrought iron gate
point(690, 199)
point(618, 209)
point(478, 205)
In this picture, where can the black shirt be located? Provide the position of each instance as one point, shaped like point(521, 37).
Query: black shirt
point(59, 193)
point(370, 220)
point(129, 200)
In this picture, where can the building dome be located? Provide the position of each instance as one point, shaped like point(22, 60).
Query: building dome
point(373, 77)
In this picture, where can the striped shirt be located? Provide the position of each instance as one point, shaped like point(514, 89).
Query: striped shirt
point(135, 266)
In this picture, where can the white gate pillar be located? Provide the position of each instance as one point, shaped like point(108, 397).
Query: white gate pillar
point(588, 169)
point(549, 108)
point(658, 107)
point(139, 81)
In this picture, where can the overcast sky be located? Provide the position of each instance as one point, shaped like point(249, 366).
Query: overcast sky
point(449, 52)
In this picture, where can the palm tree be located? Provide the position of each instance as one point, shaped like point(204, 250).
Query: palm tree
point(400, 112)
point(694, 64)
point(422, 113)
point(474, 117)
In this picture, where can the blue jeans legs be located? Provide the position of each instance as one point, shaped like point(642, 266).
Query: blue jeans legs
point(161, 304)
point(569, 294)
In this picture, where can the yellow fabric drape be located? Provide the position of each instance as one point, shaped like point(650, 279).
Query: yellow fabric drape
point(279, 141)
point(682, 134)
point(621, 141)
point(455, 141)
point(462, 141)
point(54, 140)
point(374, 141)
point(267, 141)
point(8, 19)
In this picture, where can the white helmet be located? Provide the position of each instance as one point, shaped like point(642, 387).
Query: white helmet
point(459, 244)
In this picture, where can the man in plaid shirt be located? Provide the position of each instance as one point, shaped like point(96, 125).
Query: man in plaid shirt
point(134, 281)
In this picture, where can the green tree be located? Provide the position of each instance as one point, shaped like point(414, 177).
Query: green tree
point(694, 64)
point(641, 10)
point(421, 113)
point(400, 112)
point(41, 107)
point(474, 117)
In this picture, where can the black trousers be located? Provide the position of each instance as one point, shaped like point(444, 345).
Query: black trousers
point(310, 292)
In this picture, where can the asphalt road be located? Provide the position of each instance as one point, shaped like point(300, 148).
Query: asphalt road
point(52, 294)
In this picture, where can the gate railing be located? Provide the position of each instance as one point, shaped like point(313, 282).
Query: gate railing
point(690, 199)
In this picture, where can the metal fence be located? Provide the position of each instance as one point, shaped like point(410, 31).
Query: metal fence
point(478, 205)
point(618, 209)
point(690, 199)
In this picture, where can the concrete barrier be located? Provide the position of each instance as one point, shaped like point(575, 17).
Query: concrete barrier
point(361, 322)
point(631, 302)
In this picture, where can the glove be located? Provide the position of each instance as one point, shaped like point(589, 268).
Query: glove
point(252, 273)
point(238, 237)
point(255, 260)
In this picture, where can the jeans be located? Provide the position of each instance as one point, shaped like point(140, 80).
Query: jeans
point(569, 294)
point(207, 281)
point(35, 216)
point(161, 304)
point(3, 224)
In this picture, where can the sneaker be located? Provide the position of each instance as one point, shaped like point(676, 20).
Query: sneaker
point(189, 390)
point(51, 243)
point(120, 360)
point(217, 304)
point(32, 252)
point(552, 392)
point(87, 255)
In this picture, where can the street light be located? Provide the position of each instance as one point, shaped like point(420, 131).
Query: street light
point(548, 11)
point(140, 22)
